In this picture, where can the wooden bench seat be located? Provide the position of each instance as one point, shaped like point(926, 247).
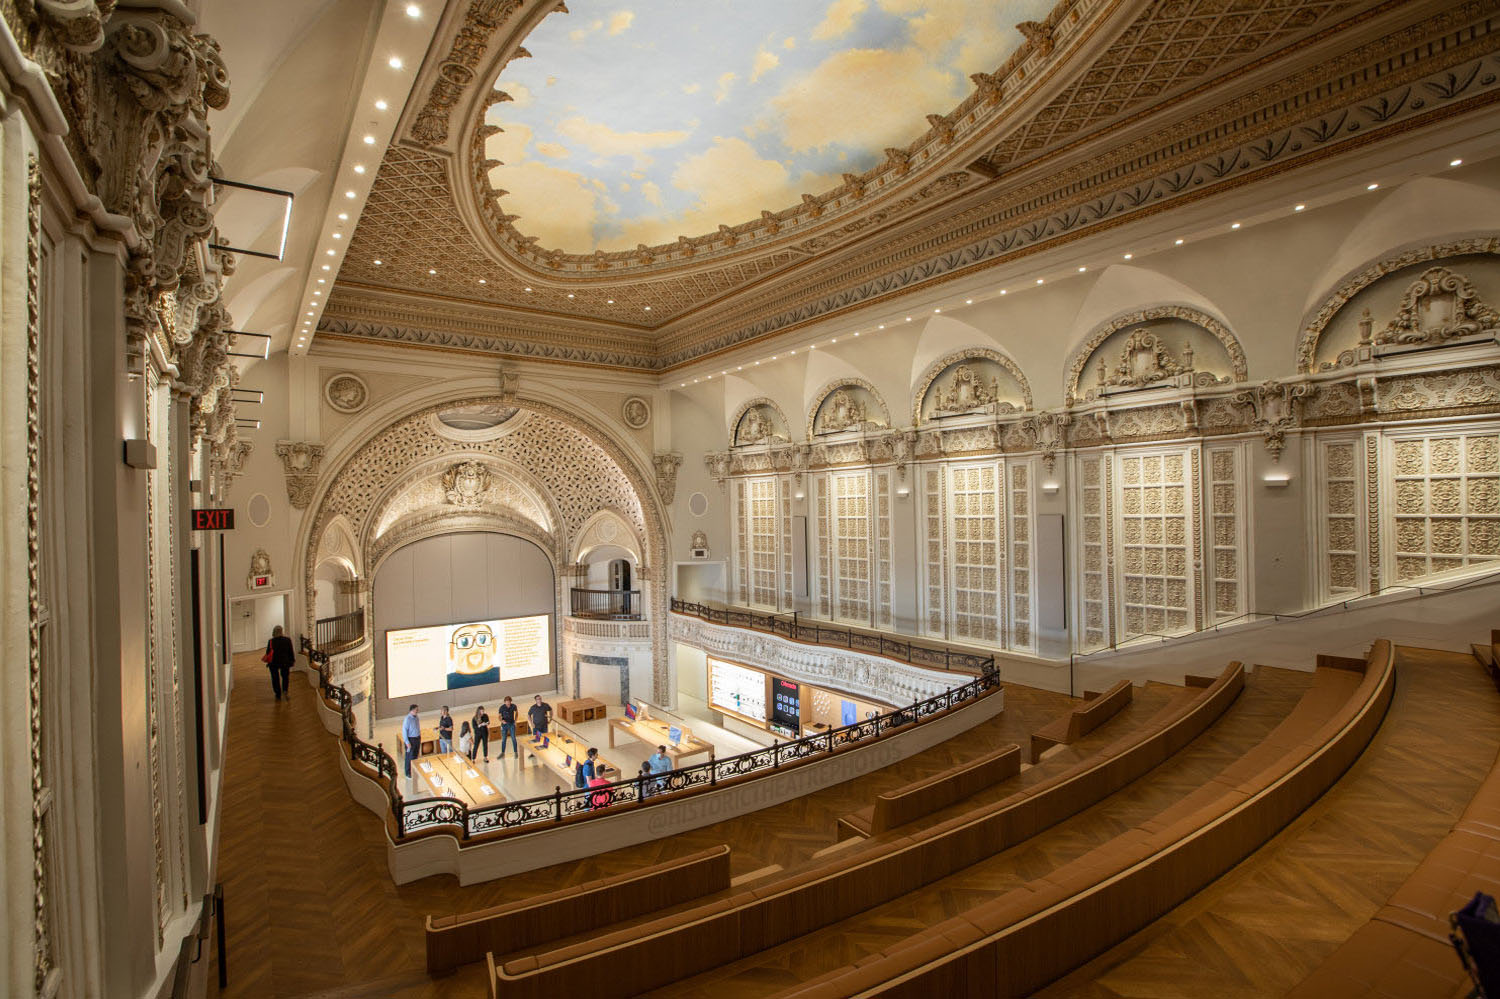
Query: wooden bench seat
point(466, 937)
point(1016, 943)
point(923, 797)
point(640, 958)
point(1096, 709)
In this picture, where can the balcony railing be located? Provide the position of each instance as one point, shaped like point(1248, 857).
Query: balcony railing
point(608, 605)
point(334, 634)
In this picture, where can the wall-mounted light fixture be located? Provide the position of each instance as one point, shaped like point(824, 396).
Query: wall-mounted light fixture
point(1050, 487)
point(800, 495)
point(260, 350)
point(903, 492)
point(255, 396)
point(1277, 480)
point(140, 453)
point(248, 424)
point(286, 217)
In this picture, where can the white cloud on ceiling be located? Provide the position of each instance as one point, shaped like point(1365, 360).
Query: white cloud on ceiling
point(691, 88)
point(520, 94)
point(620, 21)
point(600, 138)
point(721, 92)
point(553, 150)
point(765, 61)
point(863, 98)
point(839, 18)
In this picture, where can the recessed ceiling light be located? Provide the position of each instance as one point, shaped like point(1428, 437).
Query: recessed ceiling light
point(1129, 255)
point(648, 308)
point(369, 140)
point(1234, 225)
point(609, 301)
point(431, 271)
point(775, 357)
point(309, 313)
point(1298, 208)
point(1002, 291)
point(359, 168)
point(1039, 280)
point(330, 253)
point(348, 194)
point(412, 10)
point(379, 262)
point(381, 105)
point(723, 372)
point(1177, 243)
point(394, 62)
point(790, 353)
point(1455, 162)
point(856, 333)
point(570, 294)
point(757, 364)
point(882, 325)
point(317, 291)
point(1371, 186)
point(483, 281)
point(322, 280)
point(683, 385)
point(740, 368)
point(1082, 269)
point(338, 235)
point(528, 289)
point(937, 310)
point(343, 216)
point(908, 318)
point(967, 301)
point(326, 267)
point(834, 340)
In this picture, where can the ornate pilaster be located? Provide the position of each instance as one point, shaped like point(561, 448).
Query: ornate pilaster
point(300, 461)
point(1276, 410)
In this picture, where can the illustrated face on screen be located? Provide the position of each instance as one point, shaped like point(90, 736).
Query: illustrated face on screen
point(471, 649)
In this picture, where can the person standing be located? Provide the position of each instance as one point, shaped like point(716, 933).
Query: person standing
point(411, 729)
point(600, 799)
point(660, 763)
point(584, 772)
point(466, 741)
point(508, 712)
point(279, 657)
point(538, 715)
point(445, 731)
point(481, 733)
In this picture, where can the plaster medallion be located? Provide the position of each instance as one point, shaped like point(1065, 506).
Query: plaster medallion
point(346, 393)
point(636, 412)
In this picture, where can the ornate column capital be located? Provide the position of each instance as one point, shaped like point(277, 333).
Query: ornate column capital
point(666, 464)
point(300, 461)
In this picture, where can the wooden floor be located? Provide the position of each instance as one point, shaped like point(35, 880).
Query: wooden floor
point(311, 910)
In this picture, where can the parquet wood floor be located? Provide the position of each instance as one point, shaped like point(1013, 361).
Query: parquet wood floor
point(1264, 925)
point(310, 907)
point(1269, 696)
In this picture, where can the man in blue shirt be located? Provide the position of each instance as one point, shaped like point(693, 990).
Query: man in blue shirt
point(411, 729)
point(660, 763)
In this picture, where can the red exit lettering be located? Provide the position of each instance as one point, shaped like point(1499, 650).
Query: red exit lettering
point(213, 520)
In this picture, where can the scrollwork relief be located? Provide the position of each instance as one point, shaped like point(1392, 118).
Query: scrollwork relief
point(300, 461)
point(1143, 363)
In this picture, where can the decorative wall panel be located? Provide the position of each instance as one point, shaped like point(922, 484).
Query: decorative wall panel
point(1444, 509)
point(1341, 469)
point(850, 533)
point(742, 555)
point(934, 540)
point(1156, 542)
point(820, 525)
point(764, 537)
point(975, 586)
point(785, 597)
point(1022, 563)
point(1093, 506)
point(1224, 527)
point(883, 580)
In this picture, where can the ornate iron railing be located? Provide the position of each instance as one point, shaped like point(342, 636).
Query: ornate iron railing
point(334, 634)
point(791, 626)
point(614, 605)
point(457, 818)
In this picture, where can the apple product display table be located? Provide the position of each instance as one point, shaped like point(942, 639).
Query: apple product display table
point(452, 775)
point(658, 733)
point(562, 753)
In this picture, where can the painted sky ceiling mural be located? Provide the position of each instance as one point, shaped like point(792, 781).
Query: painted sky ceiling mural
point(638, 121)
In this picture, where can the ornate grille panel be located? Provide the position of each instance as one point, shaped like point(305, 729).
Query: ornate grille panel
point(1022, 536)
point(1225, 529)
point(1093, 509)
point(825, 581)
point(785, 603)
point(851, 533)
point(1342, 473)
point(1155, 541)
point(1444, 512)
point(742, 541)
point(764, 537)
point(934, 542)
point(974, 499)
point(883, 547)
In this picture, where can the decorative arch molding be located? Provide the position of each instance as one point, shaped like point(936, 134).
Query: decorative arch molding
point(749, 404)
point(338, 542)
point(940, 365)
point(581, 466)
point(845, 381)
point(431, 524)
point(1239, 368)
point(1359, 280)
point(596, 532)
point(526, 484)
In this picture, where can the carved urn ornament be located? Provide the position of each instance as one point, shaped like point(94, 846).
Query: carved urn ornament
point(1145, 360)
point(966, 392)
point(466, 484)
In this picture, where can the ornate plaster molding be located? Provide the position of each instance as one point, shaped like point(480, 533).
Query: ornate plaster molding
point(666, 464)
point(864, 419)
point(1220, 331)
point(765, 435)
point(300, 461)
point(937, 367)
point(1276, 408)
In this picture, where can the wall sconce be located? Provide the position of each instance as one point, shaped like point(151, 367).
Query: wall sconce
point(903, 492)
point(1050, 488)
point(140, 453)
point(799, 495)
point(1276, 480)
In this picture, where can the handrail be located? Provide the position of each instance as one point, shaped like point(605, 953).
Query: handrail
point(901, 650)
point(456, 818)
point(617, 605)
point(342, 630)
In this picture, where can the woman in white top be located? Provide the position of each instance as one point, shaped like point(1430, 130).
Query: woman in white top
point(466, 740)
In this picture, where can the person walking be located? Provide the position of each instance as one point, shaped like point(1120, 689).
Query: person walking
point(538, 715)
point(481, 733)
point(279, 657)
point(445, 731)
point(508, 712)
point(411, 730)
point(584, 772)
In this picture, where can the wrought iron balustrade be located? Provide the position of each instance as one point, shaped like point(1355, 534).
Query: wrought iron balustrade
point(334, 634)
point(612, 605)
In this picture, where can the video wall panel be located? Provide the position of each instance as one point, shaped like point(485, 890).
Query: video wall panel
point(454, 656)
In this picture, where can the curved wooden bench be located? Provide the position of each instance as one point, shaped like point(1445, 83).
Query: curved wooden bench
point(1094, 711)
point(636, 959)
point(464, 938)
point(923, 797)
point(1016, 943)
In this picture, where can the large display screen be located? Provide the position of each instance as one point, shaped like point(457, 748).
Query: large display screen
point(738, 689)
point(451, 656)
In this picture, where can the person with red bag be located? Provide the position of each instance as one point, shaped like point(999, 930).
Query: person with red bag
point(279, 657)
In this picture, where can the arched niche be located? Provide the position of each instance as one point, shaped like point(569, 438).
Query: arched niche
point(758, 421)
point(473, 481)
point(1421, 294)
point(1155, 346)
point(609, 535)
point(972, 381)
point(847, 404)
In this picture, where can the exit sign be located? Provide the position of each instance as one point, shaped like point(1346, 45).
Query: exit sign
point(213, 520)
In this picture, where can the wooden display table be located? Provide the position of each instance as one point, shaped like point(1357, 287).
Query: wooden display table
point(582, 710)
point(656, 733)
point(563, 744)
point(451, 775)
